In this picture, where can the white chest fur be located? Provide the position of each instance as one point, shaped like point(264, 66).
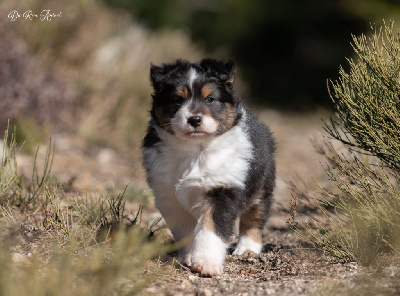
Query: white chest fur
point(186, 170)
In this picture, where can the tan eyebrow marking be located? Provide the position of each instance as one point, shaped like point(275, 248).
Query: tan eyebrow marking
point(206, 90)
point(182, 91)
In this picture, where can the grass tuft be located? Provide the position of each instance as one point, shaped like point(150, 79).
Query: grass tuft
point(8, 166)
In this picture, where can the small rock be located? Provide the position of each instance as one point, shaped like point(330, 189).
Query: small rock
point(152, 290)
point(252, 260)
point(276, 261)
point(270, 291)
point(106, 155)
point(19, 258)
point(300, 289)
point(192, 278)
point(204, 292)
point(38, 218)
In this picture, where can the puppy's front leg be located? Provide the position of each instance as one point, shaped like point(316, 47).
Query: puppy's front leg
point(209, 249)
point(213, 231)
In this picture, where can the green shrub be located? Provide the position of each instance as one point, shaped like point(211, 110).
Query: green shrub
point(367, 98)
point(365, 216)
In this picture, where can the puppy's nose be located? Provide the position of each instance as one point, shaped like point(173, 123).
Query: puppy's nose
point(194, 121)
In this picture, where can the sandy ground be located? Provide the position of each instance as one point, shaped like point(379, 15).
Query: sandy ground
point(286, 266)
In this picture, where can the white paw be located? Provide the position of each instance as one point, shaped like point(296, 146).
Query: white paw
point(247, 244)
point(208, 253)
point(207, 267)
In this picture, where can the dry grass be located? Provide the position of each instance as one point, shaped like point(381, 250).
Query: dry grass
point(58, 244)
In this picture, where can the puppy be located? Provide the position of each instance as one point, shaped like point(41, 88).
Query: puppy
point(209, 161)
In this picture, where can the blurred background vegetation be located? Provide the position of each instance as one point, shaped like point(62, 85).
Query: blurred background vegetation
point(87, 72)
point(285, 49)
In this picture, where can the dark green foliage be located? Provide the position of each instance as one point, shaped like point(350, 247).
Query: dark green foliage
point(366, 202)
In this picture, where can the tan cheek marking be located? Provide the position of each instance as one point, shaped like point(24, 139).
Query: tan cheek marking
point(206, 90)
point(182, 91)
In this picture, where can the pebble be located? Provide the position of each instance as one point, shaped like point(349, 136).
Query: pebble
point(152, 290)
point(19, 258)
point(270, 291)
point(106, 156)
point(204, 292)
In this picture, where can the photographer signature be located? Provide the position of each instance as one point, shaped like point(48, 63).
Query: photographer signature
point(29, 15)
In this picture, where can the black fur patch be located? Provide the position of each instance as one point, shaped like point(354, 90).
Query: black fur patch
point(226, 207)
point(151, 137)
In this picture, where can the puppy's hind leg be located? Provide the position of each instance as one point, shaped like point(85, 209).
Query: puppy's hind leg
point(182, 225)
point(250, 228)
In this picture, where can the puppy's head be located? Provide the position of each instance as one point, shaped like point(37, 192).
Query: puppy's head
point(195, 100)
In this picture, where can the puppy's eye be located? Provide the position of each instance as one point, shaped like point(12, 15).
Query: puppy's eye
point(178, 100)
point(209, 100)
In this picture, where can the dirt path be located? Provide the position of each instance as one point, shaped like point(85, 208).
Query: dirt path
point(285, 267)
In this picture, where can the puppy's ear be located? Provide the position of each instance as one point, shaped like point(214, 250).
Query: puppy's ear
point(156, 77)
point(223, 71)
point(159, 76)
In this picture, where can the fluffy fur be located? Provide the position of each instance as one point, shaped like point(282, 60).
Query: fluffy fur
point(208, 160)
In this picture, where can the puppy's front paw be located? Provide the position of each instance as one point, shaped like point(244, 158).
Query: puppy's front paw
point(207, 267)
point(247, 244)
point(208, 253)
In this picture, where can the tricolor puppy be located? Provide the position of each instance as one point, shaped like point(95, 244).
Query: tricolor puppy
point(209, 161)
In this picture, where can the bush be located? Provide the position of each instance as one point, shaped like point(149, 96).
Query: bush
point(366, 218)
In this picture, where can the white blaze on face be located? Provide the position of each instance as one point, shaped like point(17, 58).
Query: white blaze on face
point(192, 77)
